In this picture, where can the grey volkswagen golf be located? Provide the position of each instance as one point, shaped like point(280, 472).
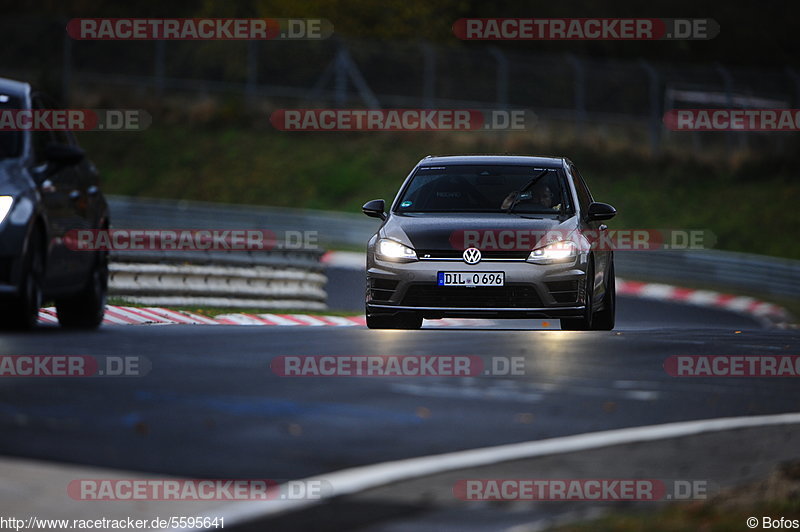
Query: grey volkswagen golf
point(490, 237)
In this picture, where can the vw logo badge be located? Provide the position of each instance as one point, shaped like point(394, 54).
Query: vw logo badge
point(472, 255)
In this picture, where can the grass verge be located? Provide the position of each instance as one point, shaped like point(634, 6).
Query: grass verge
point(774, 497)
point(748, 201)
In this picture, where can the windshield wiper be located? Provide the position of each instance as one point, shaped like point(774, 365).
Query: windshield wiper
point(527, 186)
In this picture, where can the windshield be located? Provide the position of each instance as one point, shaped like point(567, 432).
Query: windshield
point(501, 188)
point(10, 141)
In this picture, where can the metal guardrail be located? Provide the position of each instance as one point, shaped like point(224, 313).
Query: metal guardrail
point(279, 278)
point(333, 228)
point(769, 276)
point(218, 286)
point(722, 269)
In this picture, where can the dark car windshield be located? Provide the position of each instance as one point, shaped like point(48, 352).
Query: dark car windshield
point(500, 188)
point(10, 141)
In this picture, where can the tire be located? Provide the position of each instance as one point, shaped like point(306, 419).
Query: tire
point(604, 319)
point(402, 321)
point(86, 309)
point(22, 311)
point(584, 323)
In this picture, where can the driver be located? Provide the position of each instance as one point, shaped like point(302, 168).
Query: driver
point(543, 195)
point(539, 195)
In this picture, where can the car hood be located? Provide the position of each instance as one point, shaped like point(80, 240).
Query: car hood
point(449, 231)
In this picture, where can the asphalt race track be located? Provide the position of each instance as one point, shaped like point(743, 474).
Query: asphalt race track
point(212, 407)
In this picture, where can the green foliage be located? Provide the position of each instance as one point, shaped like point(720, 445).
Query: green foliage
point(751, 208)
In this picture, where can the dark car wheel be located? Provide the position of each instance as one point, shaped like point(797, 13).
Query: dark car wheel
point(401, 321)
point(583, 323)
point(22, 312)
point(604, 319)
point(86, 310)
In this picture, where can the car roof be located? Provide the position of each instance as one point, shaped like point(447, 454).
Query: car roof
point(14, 88)
point(522, 160)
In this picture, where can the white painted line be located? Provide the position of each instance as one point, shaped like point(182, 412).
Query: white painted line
point(199, 318)
point(279, 320)
point(657, 291)
point(308, 320)
point(147, 315)
point(110, 317)
point(47, 317)
point(131, 317)
point(350, 481)
point(170, 315)
point(702, 297)
point(741, 304)
point(178, 317)
point(338, 321)
point(358, 320)
point(182, 317)
point(241, 319)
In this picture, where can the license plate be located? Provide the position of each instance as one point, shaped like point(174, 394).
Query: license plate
point(471, 278)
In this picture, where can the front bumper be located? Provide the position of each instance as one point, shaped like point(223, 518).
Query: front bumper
point(530, 290)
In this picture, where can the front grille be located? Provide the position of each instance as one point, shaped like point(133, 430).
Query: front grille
point(564, 291)
point(382, 289)
point(509, 296)
point(434, 254)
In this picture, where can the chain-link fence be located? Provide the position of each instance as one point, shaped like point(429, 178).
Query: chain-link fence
point(577, 91)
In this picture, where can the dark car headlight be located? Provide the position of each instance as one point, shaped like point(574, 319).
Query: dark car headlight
point(394, 251)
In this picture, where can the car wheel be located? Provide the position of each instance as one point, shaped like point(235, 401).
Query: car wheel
point(604, 319)
point(22, 312)
point(402, 321)
point(584, 323)
point(86, 309)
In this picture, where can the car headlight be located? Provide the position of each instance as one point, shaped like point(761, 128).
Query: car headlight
point(393, 250)
point(555, 252)
point(5, 206)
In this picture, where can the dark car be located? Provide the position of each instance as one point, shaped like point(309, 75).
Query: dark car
point(48, 187)
point(490, 236)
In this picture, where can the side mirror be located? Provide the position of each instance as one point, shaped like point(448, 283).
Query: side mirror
point(375, 209)
point(600, 211)
point(63, 154)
